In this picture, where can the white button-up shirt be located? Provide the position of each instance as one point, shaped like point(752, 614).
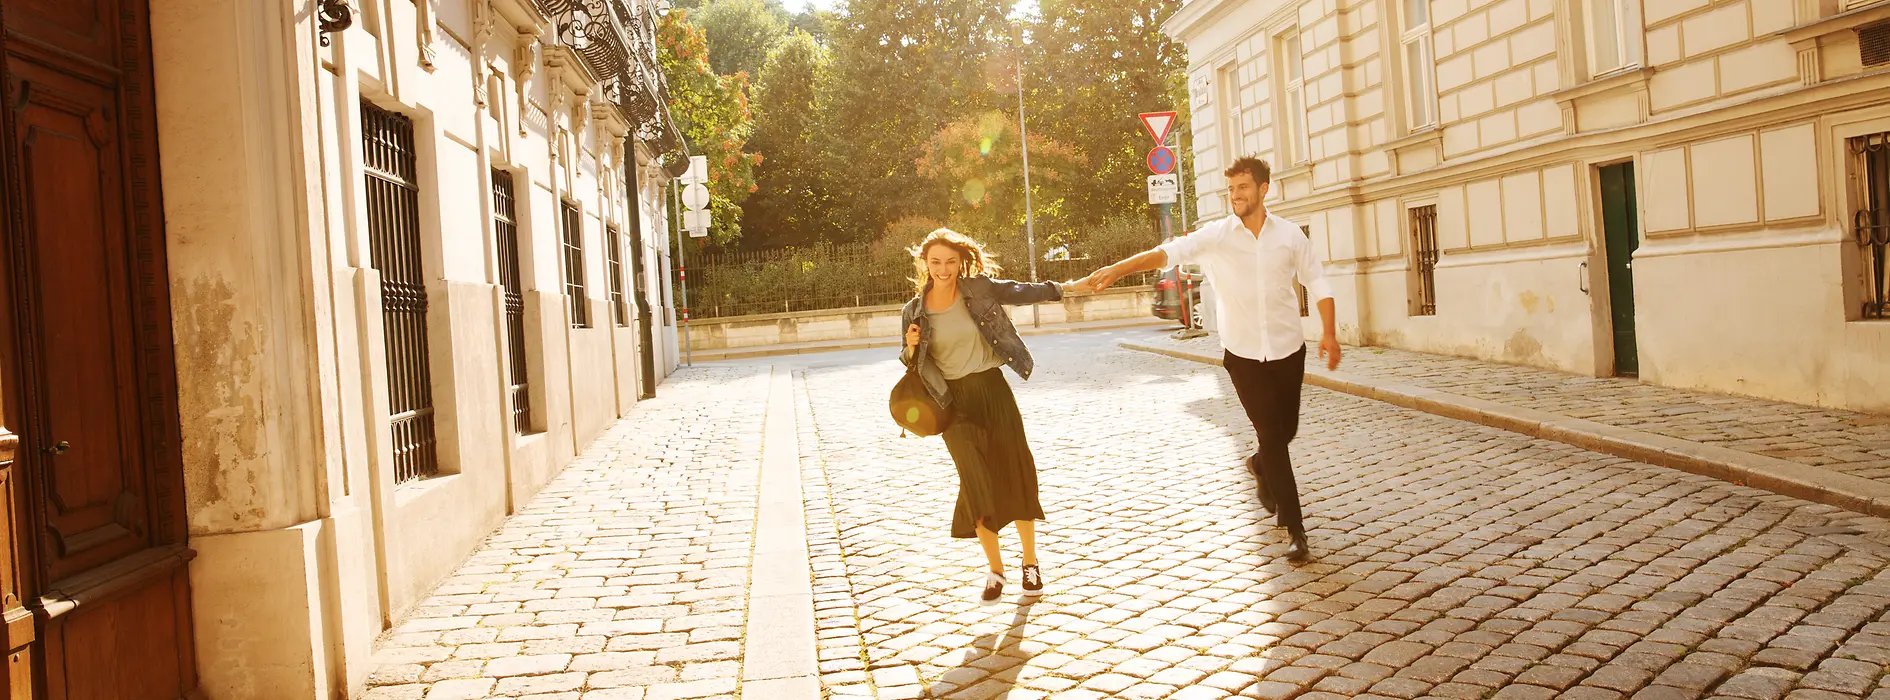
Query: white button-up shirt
point(1258, 310)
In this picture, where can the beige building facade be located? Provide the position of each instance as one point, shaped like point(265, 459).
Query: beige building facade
point(1691, 191)
point(417, 253)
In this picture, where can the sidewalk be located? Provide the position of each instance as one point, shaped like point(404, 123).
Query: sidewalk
point(1839, 458)
point(720, 354)
point(667, 561)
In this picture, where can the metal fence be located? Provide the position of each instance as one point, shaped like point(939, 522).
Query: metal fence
point(822, 277)
point(797, 279)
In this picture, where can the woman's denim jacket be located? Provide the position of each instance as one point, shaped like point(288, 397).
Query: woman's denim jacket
point(985, 299)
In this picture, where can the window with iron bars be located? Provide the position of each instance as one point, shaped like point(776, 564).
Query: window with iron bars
point(613, 259)
point(393, 206)
point(1871, 223)
point(573, 231)
point(1424, 260)
point(505, 224)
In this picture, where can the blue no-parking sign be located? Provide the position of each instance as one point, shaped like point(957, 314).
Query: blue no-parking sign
point(1161, 160)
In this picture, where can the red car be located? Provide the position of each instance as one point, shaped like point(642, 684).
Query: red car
point(1167, 304)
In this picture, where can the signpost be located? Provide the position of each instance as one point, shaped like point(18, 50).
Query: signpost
point(1164, 190)
point(1161, 160)
point(692, 195)
point(1158, 124)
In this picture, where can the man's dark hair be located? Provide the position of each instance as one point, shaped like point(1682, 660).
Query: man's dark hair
point(1258, 169)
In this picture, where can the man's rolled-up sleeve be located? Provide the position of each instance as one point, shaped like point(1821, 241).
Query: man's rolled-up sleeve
point(1183, 249)
point(1312, 275)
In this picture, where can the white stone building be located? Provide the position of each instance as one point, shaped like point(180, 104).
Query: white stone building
point(311, 295)
point(1691, 190)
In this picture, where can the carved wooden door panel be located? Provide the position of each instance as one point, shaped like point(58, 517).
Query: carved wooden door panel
point(88, 379)
point(75, 227)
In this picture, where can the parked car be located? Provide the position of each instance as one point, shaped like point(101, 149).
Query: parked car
point(1167, 304)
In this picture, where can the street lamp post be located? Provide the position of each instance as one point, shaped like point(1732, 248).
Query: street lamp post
point(1023, 142)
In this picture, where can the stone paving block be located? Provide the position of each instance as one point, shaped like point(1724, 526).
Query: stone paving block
point(460, 689)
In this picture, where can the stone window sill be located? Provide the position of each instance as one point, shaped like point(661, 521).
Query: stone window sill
point(1621, 78)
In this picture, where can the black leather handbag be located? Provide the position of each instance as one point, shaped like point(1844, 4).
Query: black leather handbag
point(914, 409)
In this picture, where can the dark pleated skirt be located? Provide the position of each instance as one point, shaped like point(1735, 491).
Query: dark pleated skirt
point(997, 477)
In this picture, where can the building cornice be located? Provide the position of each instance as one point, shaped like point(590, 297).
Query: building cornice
point(523, 15)
point(1188, 20)
point(1851, 19)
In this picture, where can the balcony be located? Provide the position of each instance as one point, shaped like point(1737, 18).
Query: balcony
point(616, 40)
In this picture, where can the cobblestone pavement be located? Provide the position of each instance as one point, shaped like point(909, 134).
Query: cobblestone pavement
point(1454, 561)
point(624, 579)
point(1846, 441)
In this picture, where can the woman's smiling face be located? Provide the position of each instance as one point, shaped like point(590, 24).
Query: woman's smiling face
point(942, 263)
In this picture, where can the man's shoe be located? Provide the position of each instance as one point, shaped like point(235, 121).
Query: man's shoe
point(1260, 486)
point(1298, 552)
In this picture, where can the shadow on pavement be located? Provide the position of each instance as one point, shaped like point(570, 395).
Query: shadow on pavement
point(997, 658)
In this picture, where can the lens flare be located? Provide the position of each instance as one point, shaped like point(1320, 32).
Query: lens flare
point(974, 191)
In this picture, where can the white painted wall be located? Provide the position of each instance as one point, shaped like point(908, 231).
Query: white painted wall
point(307, 547)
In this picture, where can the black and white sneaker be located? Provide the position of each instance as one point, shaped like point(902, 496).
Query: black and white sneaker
point(1033, 580)
point(993, 588)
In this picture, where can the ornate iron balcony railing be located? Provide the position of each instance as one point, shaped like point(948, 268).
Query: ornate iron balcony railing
point(617, 40)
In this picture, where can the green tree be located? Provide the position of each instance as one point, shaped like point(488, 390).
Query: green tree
point(740, 33)
point(712, 111)
point(793, 203)
point(978, 160)
point(902, 70)
point(1092, 66)
point(814, 22)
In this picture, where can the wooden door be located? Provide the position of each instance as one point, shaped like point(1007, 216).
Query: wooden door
point(97, 541)
point(1621, 235)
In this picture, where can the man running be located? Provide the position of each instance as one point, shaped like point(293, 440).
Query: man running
point(1254, 258)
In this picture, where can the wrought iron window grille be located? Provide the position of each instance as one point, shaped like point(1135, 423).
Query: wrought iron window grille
point(393, 204)
point(573, 232)
point(1871, 222)
point(505, 224)
point(613, 263)
point(1424, 258)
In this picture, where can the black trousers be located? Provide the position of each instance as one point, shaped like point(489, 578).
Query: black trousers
point(1269, 391)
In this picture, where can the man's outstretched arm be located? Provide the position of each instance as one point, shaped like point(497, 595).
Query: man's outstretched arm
point(1151, 259)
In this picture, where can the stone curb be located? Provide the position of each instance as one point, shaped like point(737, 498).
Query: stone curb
point(890, 343)
point(779, 654)
point(1818, 485)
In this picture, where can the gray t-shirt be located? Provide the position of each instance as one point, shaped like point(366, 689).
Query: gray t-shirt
point(958, 349)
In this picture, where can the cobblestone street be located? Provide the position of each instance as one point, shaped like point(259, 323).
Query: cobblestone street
point(1453, 560)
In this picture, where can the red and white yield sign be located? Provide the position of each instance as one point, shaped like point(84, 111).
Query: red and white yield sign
point(1158, 125)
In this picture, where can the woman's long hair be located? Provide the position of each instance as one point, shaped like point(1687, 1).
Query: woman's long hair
point(973, 258)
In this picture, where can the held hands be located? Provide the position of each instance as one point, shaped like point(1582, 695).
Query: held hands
point(1100, 279)
point(1329, 351)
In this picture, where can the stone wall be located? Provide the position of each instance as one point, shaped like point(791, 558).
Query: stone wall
point(1484, 126)
point(883, 321)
